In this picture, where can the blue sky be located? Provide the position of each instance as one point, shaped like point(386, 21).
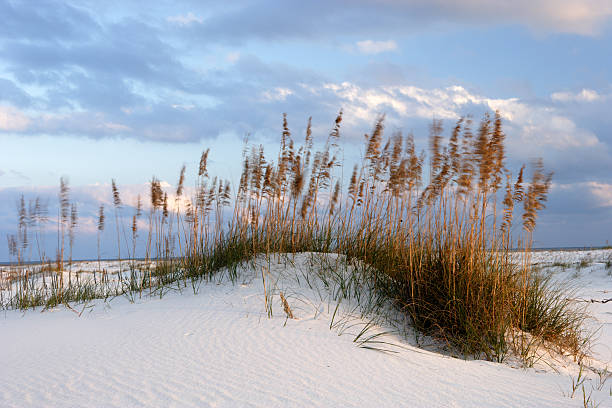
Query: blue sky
point(127, 90)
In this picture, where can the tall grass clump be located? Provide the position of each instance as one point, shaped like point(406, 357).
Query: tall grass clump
point(441, 249)
point(438, 231)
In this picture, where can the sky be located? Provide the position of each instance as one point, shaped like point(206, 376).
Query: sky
point(127, 90)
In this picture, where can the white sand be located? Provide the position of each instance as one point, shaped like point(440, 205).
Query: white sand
point(218, 348)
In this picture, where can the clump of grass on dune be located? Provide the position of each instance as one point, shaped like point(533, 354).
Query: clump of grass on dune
point(438, 251)
point(437, 254)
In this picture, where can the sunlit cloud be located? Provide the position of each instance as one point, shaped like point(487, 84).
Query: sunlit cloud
point(12, 119)
point(539, 125)
point(597, 194)
point(586, 95)
point(376, 47)
point(585, 17)
point(185, 20)
point(602, 191)
point(276, 94)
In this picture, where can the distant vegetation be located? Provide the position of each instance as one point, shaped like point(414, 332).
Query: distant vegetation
point(439, 252)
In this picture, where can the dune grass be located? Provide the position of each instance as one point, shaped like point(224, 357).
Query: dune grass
point(438, 245)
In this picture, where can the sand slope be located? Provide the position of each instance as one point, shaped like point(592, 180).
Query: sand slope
point(218, 348)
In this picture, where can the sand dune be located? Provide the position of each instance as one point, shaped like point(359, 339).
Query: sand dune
point(219, 348)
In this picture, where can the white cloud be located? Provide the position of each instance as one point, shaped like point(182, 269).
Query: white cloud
point(404, 101)
point(532, 125)
point(276, 94)
point(183, 106)
point(117, 127)
point(376, 47)
point(602, 192)
point(542, 125)
point(13, 120)
point(185, 20)
point(88, 123)
point(586, 95)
